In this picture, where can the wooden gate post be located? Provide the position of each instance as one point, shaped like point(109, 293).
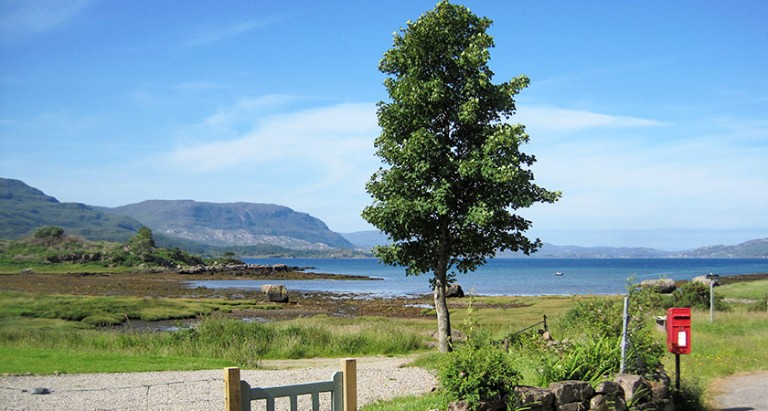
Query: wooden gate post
point(232, 394)
point(349, 368)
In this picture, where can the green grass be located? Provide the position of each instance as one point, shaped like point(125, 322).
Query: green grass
point(501, 316)
point(21, 360)
point(16, 267)
point(753, 290)
point(735, 342)
point(216, 338)
point(430, 401)
point(112, 310)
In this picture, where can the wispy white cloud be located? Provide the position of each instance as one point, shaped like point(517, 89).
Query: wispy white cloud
point(659, 180)
point(548, 118)
point(25, 18)
point(314, 137)
point(222, 33)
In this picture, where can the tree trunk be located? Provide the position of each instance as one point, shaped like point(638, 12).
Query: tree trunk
point(443, 315)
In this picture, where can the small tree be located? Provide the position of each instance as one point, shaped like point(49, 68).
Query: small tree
point(455, 170)
point(142, 243)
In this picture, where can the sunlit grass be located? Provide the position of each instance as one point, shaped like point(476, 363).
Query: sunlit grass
point(754, 290)
point(22, 360)
point(113, 310)
point(734, 342)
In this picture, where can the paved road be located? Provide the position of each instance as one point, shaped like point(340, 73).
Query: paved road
point(748, 392)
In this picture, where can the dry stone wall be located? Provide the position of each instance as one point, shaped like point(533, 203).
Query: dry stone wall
point(624, 393)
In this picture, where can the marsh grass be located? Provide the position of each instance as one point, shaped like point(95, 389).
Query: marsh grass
point(214, 340)
point(112, 310)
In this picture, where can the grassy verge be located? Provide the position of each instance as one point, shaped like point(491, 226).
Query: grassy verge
point(733, 343)
point(22, 360)
point(215, 340)
point(752, 290)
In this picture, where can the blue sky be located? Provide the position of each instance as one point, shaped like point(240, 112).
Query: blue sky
point(649, 116)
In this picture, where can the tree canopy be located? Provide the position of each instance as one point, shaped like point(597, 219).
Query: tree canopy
point(454, 173)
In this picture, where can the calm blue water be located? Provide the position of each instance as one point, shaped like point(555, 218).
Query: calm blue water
point(519, 276)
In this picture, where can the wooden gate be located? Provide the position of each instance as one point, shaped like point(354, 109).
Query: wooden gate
point(342, 387)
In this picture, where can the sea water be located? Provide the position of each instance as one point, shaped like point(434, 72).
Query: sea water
point(512, 276)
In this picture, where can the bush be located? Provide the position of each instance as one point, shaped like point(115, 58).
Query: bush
point(760, 305)
point(600, 316)
point(696, 295)
point(477, 372)
point(590, 359)
point(598, 323)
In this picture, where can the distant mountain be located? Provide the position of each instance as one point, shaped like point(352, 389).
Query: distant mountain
point(750, 249)
point(753, 249)
point(366, 240)
point(234, 224)
point(23, 209)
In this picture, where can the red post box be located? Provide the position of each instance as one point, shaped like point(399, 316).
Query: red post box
point(679, 330)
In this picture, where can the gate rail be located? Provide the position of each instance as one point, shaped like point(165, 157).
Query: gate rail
point(342, 386)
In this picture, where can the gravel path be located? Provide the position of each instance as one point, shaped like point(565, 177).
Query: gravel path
point(743, 392)
point(379, 378)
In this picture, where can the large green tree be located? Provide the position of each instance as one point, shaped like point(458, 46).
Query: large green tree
point(453, 172)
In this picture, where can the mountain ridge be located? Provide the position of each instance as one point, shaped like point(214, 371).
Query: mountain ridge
point(229, 224)
point(252, 227)
point(184, 223)
point(24, 208)
point(757, 248)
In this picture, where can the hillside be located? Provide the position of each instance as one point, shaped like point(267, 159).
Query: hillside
point(753, 248)
point(234, 224)
point(23, 209)
point(749, 249)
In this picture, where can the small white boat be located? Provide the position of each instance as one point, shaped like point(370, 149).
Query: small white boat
point(558, 273)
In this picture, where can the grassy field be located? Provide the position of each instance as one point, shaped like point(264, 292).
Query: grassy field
point(754, 290)
point(47, 333)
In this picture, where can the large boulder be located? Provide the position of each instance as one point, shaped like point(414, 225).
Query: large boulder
point(571, 391)
point(609, 396)
point(636, 388)
point(495, 405)
point(706, 281)
point(276, 293)
point(452, 291)
point(660, 285)
point(534, 398)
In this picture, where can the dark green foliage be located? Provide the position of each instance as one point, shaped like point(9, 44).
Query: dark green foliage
point(477, 372)
point(599, 315)
point(49, 233)
point(760, 305)
point(596, 349)
point(51, 245)
point(454, 173)
point(592, 358)
point(696, 295)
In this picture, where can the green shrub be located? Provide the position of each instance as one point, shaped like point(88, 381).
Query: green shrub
point(599, 316)
point(596, 351)
point(590, 359)
point(696, 295)
point(760, 305)
point(477, 372)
